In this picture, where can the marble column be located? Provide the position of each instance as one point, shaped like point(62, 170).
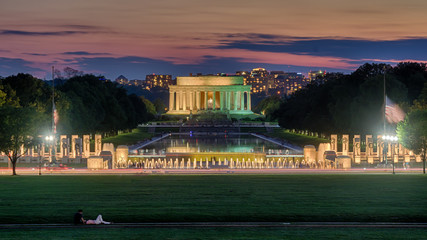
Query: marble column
point(221, 101)
point(198, 100)
point(235, 100)
point(229, 101)
point(184, 101)
point(86, 146)
point(379, 147)
point(178, 104)
point(98, 144)
point(214, 102)
point(356, 148)
point(334, 142)
point(249, 100)
point(369, 150)
point(171, 101)
point(191, 100)
point(62, 151)
point(73, 145)
point(345, 144)
point(206, 100)
point(242, 100)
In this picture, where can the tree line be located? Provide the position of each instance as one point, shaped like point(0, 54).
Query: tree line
point(85, 104)
point(353, 103)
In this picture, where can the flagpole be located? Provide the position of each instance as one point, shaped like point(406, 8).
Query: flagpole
point(384, 117)
point(384, 102)
point(53, 100)
point(53, 117)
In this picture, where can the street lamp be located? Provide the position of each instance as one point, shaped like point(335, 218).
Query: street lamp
point(393, 140)
point(51, 141)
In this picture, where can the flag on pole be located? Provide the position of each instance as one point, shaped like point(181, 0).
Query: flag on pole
point(393, 112)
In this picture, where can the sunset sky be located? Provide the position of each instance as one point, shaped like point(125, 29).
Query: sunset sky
point(139, 37)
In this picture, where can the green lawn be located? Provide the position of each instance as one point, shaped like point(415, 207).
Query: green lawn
point(138, 134)
point(182, 198)
point(297, 139)
point(214, 233)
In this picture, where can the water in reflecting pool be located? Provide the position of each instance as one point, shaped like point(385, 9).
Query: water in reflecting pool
point(212, 143)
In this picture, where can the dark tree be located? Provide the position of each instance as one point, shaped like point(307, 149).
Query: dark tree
point(19, 127)
point(412, 133)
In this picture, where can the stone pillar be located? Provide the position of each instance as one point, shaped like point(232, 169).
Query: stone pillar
point(242, 100)
point(334, 143)
point(396, 152)
point(309, 153)
point(98, 144)
point(171, 101)
point(191, 100)
point(73, 145)
point(42, 152)
point(227, 101)
point(345, 144)
point(380, 148)
point(86, 146)
point(198, 100)
point(369, 149)
point(184, 100)
point(214, 100)
point(79, 147)
point(235, 100)
point(221, 101)
point(122, 153)
point(206, 100)
point(61, 146)
point(356, 148)
point(249, 101)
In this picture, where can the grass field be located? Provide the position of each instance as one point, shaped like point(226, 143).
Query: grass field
point(216, 198)
point(137, 134)
point(169, 198)
point(297, 139)
point(214, 233)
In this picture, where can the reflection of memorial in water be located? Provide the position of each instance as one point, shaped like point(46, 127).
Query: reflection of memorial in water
point(219, 143)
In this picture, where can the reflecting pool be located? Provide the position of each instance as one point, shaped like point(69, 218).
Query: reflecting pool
point(235, 143)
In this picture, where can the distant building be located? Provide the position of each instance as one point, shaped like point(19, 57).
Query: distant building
point(316, 75)
point(122, 80)
point(154, 80)
point(274, 82)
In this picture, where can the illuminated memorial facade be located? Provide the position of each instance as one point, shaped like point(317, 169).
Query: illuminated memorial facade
point(197, 94)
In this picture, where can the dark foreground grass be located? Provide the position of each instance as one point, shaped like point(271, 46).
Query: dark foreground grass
point(217, 198)
point(214, 233)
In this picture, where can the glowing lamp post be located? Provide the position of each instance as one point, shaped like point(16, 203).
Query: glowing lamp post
point(50, 141)
point(393, 140)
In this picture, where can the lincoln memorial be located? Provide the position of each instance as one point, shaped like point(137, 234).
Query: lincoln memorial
point(197, 94)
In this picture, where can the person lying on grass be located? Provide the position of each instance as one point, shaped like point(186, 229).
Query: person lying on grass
point(78, 219)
